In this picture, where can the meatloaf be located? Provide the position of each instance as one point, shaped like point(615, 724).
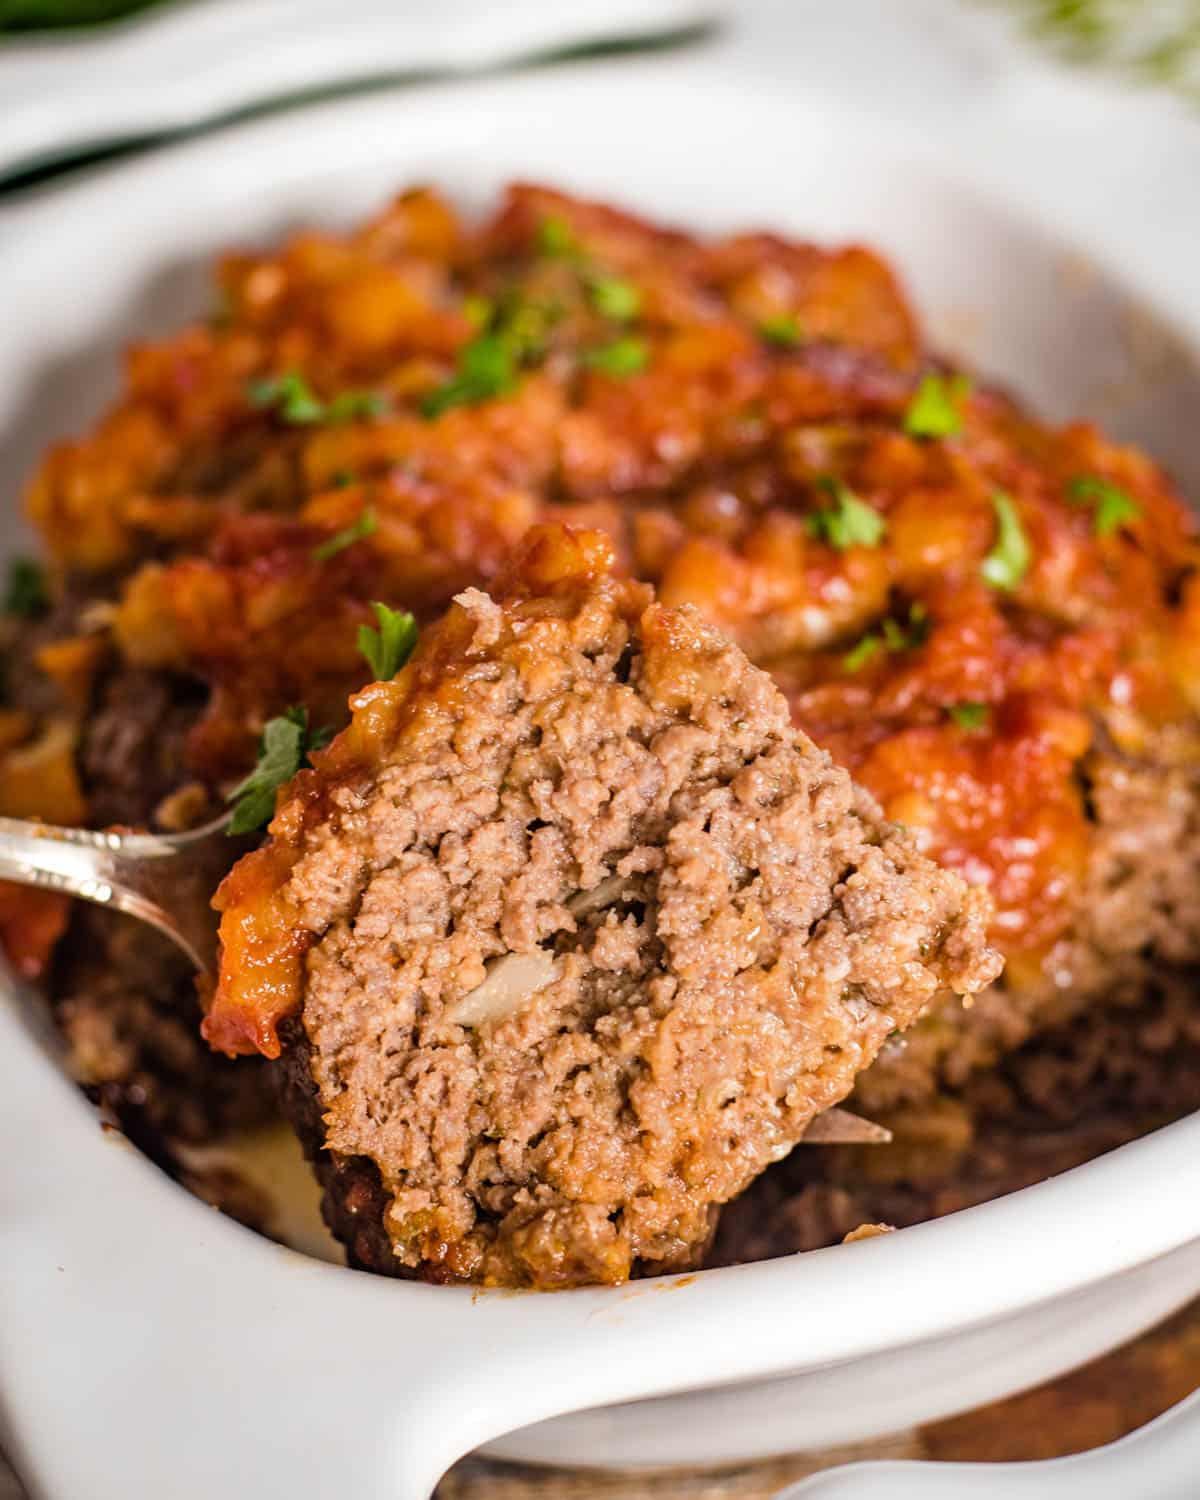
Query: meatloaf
point(992, 622)
point(579, 934)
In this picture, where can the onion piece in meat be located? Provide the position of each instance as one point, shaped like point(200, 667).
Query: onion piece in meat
point(512, 980)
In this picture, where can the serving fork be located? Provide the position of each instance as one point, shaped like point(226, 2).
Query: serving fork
point(164, 879)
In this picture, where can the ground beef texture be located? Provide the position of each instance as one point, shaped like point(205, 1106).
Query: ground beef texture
point(581, 931)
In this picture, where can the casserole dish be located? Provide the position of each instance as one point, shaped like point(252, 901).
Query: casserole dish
point(181, 1352)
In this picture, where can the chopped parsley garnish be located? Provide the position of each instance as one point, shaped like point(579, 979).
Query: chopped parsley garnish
point(936, 409)
point(26, 593)
point(893, 635)
point(478, 311)
point(849, 522)
point(366, 524)
point(525, 324)
point(1112, 507)
point(623, 357)
point(389, 647)
point(489, 365)
point(556, 237)
point(343, 478)
point(970, 715)
point(284, 747)
point(351, 405)
point(784, 329)
point(857, 658)
point(616, 299)
point(293, 401)
point(1008, 562)
point(912, 633)
point(289, 396)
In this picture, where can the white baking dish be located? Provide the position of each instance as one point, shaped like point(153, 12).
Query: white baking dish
point(148, 1347)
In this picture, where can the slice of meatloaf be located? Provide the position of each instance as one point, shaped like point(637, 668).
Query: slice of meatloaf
point(577, 934)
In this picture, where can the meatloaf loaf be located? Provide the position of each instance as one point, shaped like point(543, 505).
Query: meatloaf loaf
point(579, 934)
point(992, 622)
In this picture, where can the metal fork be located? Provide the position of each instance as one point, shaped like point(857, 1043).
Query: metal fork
point(165, 879)
point(168, 880)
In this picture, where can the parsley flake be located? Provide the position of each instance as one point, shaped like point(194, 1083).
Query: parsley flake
point(785, 330)
point(936, 409)
point(487, 367)
point(351, 405)
point(1113, 508)
point(26, 593)
point(857, 658)
point(284, 747)
point(478, 311)
point(291, 398)
point(388, 648)
point(616, 299)
point(850, 522)
point(366, 524)
point(620, 359)
point(970, 715)
point(1008, 562)
point(556, 237)
point(909, 634)
point(515, 335)
point(524, 323)
point(892, 635)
